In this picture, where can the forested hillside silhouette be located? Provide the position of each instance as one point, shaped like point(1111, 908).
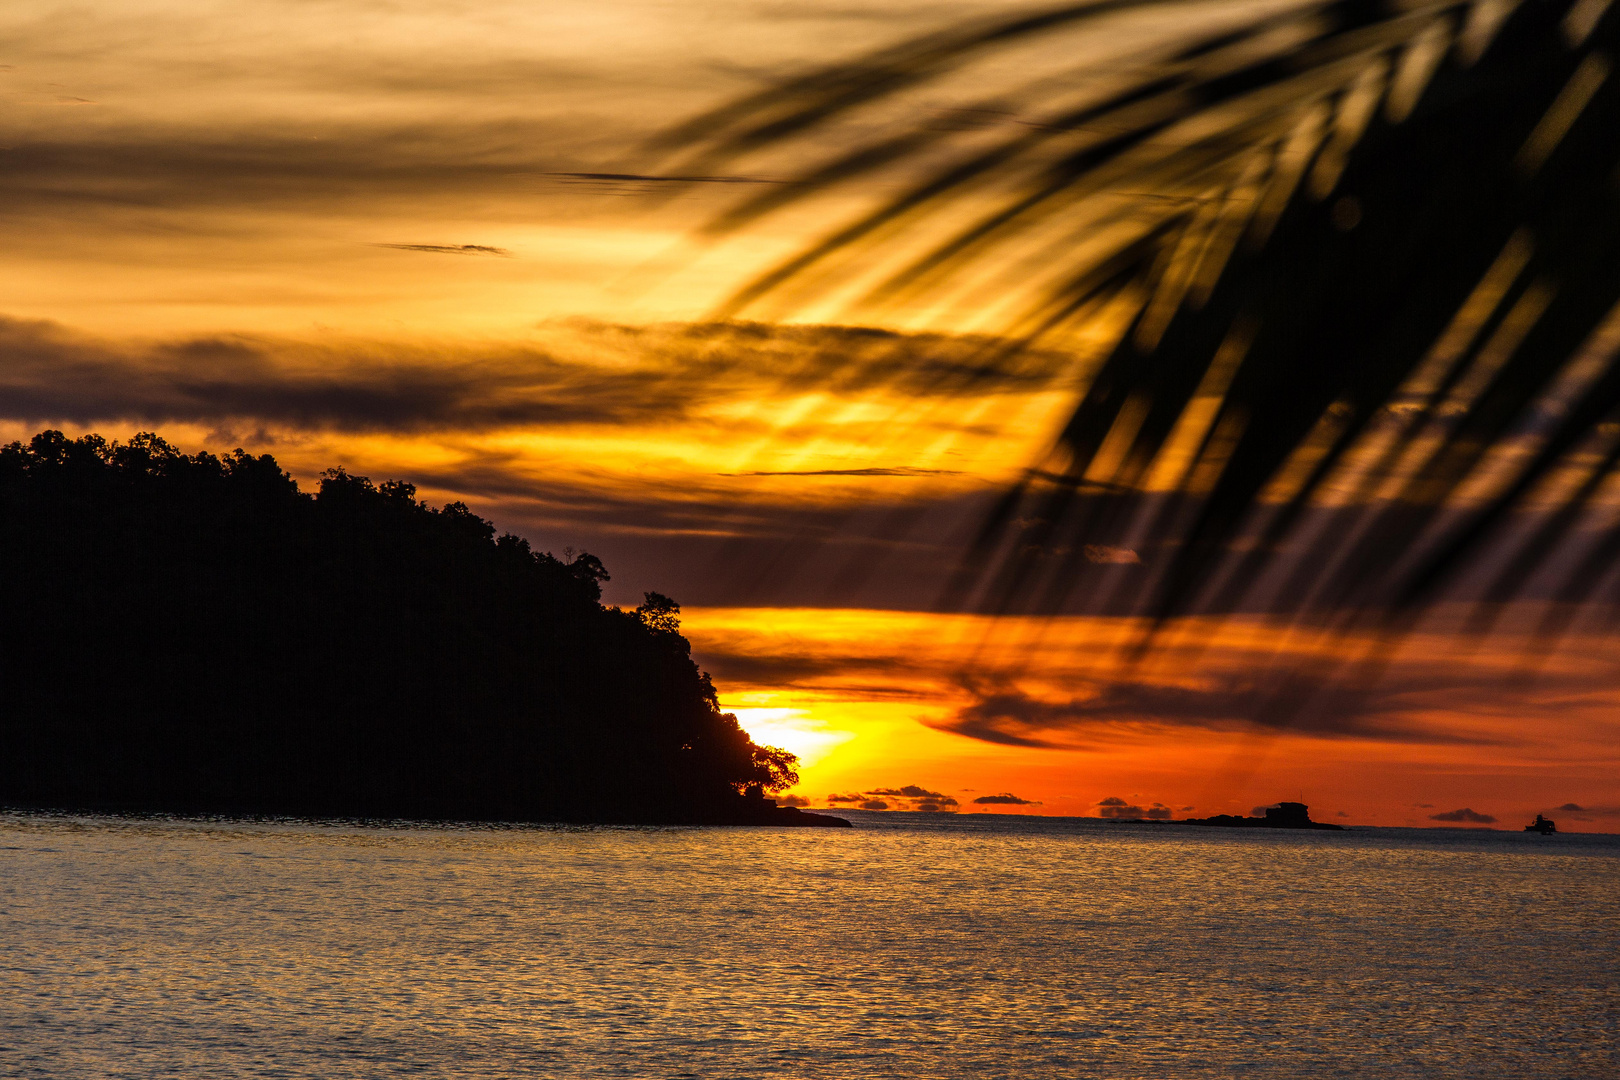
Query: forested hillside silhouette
point(193, 633)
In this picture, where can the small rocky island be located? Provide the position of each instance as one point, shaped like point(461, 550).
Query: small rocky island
point(1288, 815)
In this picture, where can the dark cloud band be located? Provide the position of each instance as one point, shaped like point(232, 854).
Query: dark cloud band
point(52, 375)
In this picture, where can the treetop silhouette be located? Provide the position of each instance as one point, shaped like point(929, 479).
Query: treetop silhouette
point(194, 633)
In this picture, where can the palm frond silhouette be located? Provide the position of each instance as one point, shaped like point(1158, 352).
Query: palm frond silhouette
point(1362, 257)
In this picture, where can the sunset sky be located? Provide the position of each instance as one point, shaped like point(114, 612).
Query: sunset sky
point(426, 240)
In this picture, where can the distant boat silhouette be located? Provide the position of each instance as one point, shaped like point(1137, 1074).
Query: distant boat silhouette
point(1544, 826)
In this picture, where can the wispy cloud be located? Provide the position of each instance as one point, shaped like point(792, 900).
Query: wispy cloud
point(1298, 700)
point(624, 178)
point(1464, 816)
point(51, 375)
point(615, 376)
point(896, 470)
point(911, 797)
point(1116, 807)
point(1587, 813)
point(450, 249)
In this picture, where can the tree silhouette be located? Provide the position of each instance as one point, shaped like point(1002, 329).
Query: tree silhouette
point(659, 613)
point(193, 633)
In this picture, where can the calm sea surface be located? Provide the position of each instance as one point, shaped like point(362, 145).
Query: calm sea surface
point(906, 947)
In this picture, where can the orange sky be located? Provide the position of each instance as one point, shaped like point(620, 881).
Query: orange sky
point(881, 699)
point(358, 233)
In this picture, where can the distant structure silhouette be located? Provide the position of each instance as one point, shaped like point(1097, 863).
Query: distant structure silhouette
point(1544, 826)
point(193, 633)
point(1287, 815)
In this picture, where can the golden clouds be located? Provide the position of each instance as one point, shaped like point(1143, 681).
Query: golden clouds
point(828, 453)
point(1050, 709)
point(821, 415)
point(233, 168)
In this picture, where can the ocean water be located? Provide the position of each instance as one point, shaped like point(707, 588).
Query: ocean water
point(910, 946)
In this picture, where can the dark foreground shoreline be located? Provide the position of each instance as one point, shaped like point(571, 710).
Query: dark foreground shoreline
point(768, 815)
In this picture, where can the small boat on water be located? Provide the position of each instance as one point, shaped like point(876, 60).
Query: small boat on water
point(1541, 825)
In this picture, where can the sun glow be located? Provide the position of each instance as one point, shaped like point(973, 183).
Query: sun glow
point(794, 730)
point(875, 702)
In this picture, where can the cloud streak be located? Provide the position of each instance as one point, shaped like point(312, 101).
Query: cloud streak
point(1466, 816)
point(898, 470)
point(1116, 808)
point(450, 249)
point(910, 797)
point(1305, 699)
point(651, 375)
point(1587, 813)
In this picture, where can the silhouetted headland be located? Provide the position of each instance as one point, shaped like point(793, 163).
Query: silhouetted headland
point(1288, 815)
point(193, 634)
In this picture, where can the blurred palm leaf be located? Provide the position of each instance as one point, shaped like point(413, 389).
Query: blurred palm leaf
point(1361, 254)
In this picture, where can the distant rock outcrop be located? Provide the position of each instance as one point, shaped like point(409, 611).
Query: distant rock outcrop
point(1288, 815)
